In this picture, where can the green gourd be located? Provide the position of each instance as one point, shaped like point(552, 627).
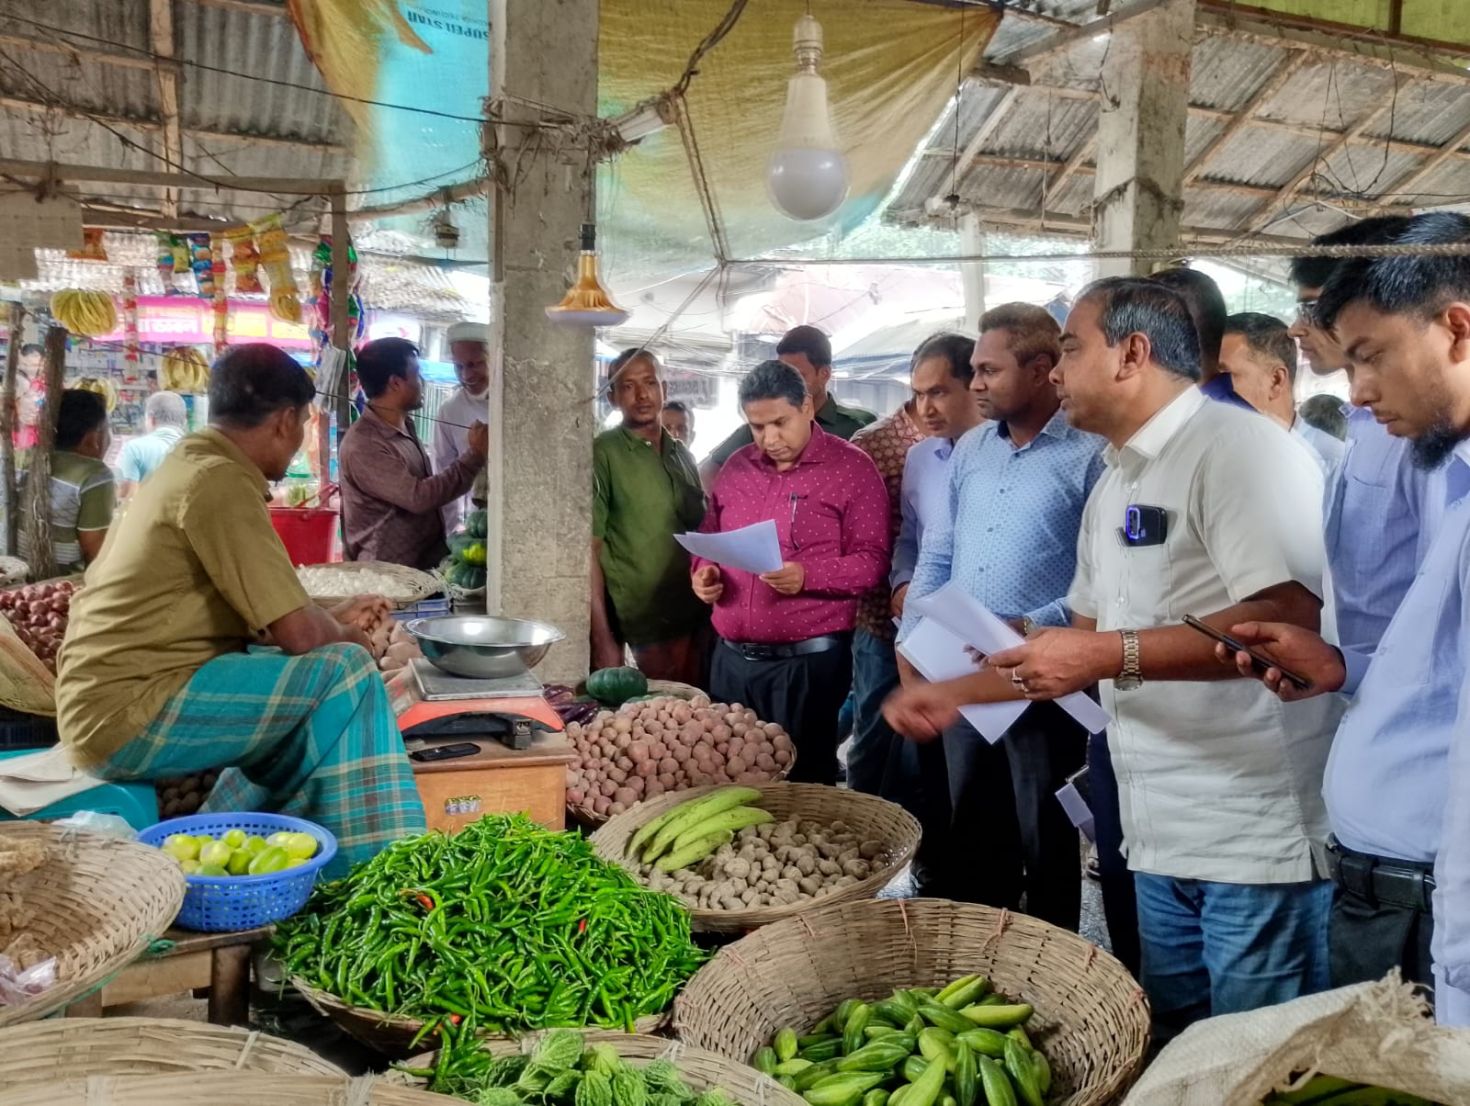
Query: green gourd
point(615, 686)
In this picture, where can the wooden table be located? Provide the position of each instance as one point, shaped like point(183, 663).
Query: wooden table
point(495, 780)
point(217, 962)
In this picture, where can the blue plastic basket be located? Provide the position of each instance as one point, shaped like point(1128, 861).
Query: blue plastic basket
point(214, 904)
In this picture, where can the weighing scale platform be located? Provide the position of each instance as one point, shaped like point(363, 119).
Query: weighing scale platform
point(520, 753)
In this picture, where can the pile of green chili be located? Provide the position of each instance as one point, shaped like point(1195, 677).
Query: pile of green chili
point(503, 927)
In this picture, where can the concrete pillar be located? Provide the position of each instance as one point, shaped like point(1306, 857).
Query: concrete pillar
point(972, 273)
point(541, 412)
point(1138, 188)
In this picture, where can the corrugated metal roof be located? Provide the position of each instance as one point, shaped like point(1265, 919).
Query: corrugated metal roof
point(313, 136)
point(1054, 119)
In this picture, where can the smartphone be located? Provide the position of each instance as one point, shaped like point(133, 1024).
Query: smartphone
point(444, 752)
point(1259, 661)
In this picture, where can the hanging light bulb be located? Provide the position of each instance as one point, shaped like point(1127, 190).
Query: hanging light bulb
point(587, 302)
point(807, 174)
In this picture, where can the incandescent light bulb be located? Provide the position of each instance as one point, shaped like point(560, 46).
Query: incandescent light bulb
point(807, 174)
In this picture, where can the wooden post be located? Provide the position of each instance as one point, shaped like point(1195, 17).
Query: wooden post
point(38, 475)
point(9, 496)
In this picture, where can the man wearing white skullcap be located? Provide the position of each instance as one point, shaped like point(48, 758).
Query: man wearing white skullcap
point(469, 348)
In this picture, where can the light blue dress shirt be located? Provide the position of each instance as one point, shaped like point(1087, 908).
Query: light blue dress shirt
point(1379, 516)
point(1327, 449)
point(1398, 781)
point(1015, 514)
point(923, 503)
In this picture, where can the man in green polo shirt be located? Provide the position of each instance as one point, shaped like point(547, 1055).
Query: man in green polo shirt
point(807, 350)
point(645, 490)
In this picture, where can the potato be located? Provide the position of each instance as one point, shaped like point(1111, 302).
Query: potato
point(626, 796)
point(721, 732)
point(622, 724)
point(608, 787)
point(601, 804)
point(735, 766)
point(666, 781)
point(783, 757)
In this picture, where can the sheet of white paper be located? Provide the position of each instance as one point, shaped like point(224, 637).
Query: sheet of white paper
point(969, 620)
point(751, 548)
point(939, 654)
point(36, 780)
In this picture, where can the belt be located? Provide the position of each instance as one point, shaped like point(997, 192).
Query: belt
point(1381, 879)
point(755, 651)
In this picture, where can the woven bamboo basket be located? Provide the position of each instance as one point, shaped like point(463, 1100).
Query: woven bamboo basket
point(701, 1069)
point(82, 1047)
point(394, 1035)
point(234, 1088)
point(1091, 1018)
point(95, 904)
point(872, 818)
point(414, 583)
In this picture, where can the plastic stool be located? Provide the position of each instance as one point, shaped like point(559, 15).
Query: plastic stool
point(134, 802)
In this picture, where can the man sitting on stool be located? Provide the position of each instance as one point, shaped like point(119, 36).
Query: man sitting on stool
point(785, 646)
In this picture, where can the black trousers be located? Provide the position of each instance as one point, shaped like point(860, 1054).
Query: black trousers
point(993, 828)
point(1366, 938)
point(801, 694)
point(1120, 902)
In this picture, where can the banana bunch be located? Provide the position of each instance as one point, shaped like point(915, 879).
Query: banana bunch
point(89, 314)
point(285, 305)
point(102, 387)
point(184, 370)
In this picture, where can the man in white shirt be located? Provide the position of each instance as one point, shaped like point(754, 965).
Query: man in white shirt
point(1259, 354)
point(469, 348)
point(1205, 509)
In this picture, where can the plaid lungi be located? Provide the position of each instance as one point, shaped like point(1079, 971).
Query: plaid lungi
point(312, 736)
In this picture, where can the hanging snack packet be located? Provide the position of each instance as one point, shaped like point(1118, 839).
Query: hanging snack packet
point(201, 260)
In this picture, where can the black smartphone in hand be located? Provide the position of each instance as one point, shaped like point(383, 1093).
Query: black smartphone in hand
point(1259, 661)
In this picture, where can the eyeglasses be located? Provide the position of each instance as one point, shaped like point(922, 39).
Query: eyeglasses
point(1306, 312)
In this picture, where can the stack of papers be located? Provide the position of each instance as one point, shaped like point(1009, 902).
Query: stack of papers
point(953, 620)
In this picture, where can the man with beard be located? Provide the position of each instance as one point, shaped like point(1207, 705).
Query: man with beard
point(645, 489)
point(390, 498)
point(1398, 778)
point(469, 349)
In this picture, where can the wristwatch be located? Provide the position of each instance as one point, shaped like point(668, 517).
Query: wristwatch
point(1132, 675)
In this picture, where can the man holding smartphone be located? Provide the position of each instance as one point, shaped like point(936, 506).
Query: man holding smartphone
point(1397, 784)
point(1219, 781)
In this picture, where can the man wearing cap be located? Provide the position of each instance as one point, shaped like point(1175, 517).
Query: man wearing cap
point(469, 349)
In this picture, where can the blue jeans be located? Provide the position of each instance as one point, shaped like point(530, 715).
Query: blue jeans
point(879, 762)
point(1221, 948)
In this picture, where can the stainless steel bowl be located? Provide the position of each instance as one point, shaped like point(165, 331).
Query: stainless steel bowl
point(481, 647)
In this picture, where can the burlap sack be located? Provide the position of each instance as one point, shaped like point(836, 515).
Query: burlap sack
point(25, 683)
point(1374, 1033)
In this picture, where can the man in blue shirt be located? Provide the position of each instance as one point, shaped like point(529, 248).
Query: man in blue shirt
point(1397, 783)
point(1017, 486)
point(1379, 509)
point(1207, 308)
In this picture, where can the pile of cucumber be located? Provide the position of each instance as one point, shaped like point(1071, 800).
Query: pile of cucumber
point(963, 1045)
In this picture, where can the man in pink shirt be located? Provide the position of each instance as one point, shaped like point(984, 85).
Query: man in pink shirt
point(785, 647)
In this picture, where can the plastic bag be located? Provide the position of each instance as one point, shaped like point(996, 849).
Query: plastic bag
point(17, 985)
point(110, 825)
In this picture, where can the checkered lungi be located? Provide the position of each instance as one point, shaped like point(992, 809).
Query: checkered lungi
point(311, 736)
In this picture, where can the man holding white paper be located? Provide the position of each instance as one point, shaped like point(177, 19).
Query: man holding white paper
point(1206, 510)
point(993, 828)
point(785, 647)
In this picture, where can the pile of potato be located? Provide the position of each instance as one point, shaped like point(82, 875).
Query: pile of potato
point(181, 795)
point(38, 612)
point(393, 646)
point(667, 744)
point(776, 864)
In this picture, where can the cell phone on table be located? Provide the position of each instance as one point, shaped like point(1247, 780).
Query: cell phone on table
point(1259, 661)
point(444, 752)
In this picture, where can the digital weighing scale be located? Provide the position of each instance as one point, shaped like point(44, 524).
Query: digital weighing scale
point(519, 753)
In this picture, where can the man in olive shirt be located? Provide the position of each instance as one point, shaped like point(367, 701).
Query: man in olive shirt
point(807, 350)
point(156, 676)
point(645, 490)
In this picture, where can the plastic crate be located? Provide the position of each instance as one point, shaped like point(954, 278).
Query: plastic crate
point(215, 904)
point(134, 802)
point(19, 730)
